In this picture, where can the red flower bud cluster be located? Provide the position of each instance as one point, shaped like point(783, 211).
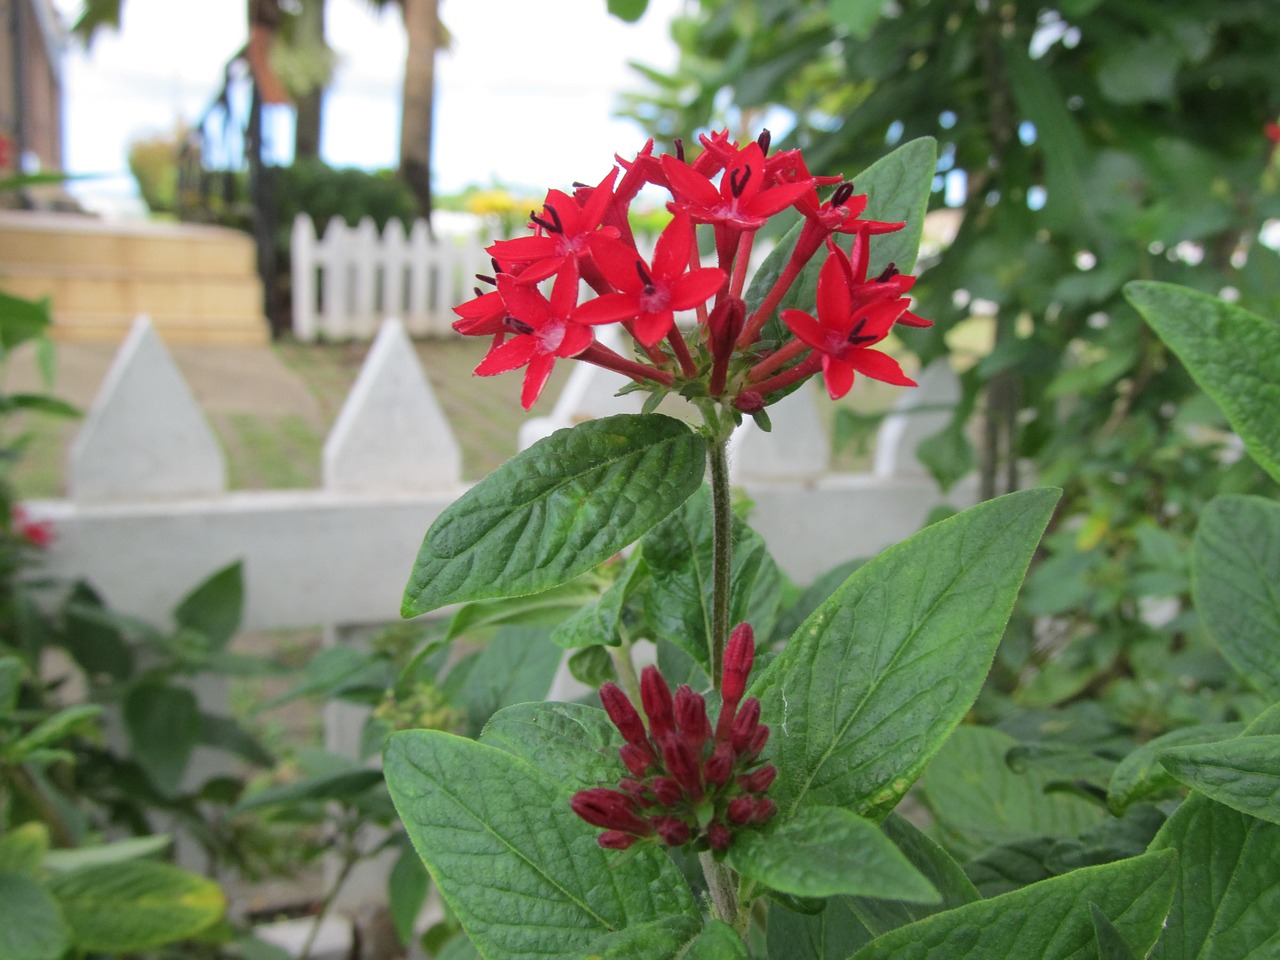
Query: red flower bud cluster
point(585, 238)
point(689, 782)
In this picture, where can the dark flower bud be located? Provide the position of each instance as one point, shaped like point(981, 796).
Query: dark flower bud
point(739, 654)
point(615, 840)
point(655, 696)
point(684, 766)
point(673, 831)
point(610, 809)
point(765, 809)
point(691, 718)
point(719, 837)
point(741, 810)
point(624, 716)
point(749, 401)
point(745, 723)
point(667, 791)
point(724, 325)
point(635, 790)
point(758, 740)
point(637, 759)
point(760, 780)
point(719, 766)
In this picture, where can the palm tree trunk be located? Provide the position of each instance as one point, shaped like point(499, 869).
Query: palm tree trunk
point(307, 126)
point(421, 25)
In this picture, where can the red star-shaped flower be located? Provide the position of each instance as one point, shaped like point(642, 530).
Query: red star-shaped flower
point(745, 198)
point(651, 293)
point(543, 330)
point(846, 329)
point(565, 227)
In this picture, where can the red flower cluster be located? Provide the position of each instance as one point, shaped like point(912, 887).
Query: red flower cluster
point(38, 533)
point(585, 237)
point(688, 783)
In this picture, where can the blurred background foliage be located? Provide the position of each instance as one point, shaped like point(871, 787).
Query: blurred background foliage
point(1082, 144)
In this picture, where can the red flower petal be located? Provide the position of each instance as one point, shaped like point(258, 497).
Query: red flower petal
point(879, 366)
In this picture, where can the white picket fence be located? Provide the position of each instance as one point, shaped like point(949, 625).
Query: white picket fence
point(348, 279)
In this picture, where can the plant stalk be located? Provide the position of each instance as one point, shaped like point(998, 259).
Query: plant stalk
point(721, 553)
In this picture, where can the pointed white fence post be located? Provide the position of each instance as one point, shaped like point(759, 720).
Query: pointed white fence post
point(335, 280)
point(302, 252)
point(145, 436)
point(417, 314)
point(395, 264)
point(391, 435)
point(363, 250)
point(918, 414)
point(798, 447)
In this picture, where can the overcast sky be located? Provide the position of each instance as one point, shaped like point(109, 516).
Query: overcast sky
point(524, 96)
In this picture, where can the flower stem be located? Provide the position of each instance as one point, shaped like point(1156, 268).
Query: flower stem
point(721, 553)
point(722, 885)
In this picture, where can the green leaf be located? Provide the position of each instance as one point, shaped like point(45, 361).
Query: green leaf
point(628, 10)
point(592, 666)
point(824, 851)
point(31, 924)
point(678, 555)
point(23, 848)
point(979, 802)
point(856, 16)
point(1050, 920)
point(62, 724)
point(1140, 71)
point(557, 509)
point(877, 678)
point(335, 671)
point(227, 733)
point(164, 726)
point(118, 851)
point(655, 940)
point(571, 743)
point(407, 888)
point(1235, 570)
point(137, 905)
point(1244, 773)
point(1111, 946)
point(1234, 355)
point(880, 915)
point(1140, 774)
point(598, 622)
point(517, 665)
point(716, 941)
point(41, 403)
point(476, 814)
point(21, 320)
point(341, 785)
point(948, 454)
point(11, 673)
point(213, 608)
point(1228, 891)
point(549, 608)
point(833, 933)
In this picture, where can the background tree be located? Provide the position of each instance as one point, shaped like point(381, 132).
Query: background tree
point(1083, 144)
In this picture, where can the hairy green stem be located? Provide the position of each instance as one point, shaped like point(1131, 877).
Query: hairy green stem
point(721, 553)
point(625, 668)
point(722, 885)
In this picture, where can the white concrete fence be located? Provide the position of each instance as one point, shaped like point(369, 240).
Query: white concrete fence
point(148, 513)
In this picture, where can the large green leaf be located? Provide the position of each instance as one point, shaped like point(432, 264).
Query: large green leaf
point(164, 725)
point(876, 679)
point(832, 933)
point(136, 905)
point(517, 666)
point(571, 743)
point(1235, 571)
point(1140, 774)
point(213, 608)
point(880, 915)
point(1228, 894)
point(551, 512)
point(520, 870)
point(31, 924)
point(1244, 773)
point(824, 851)
point(678, 554)
point(979, 802)
point(1233, 354)
point(1050, 920)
